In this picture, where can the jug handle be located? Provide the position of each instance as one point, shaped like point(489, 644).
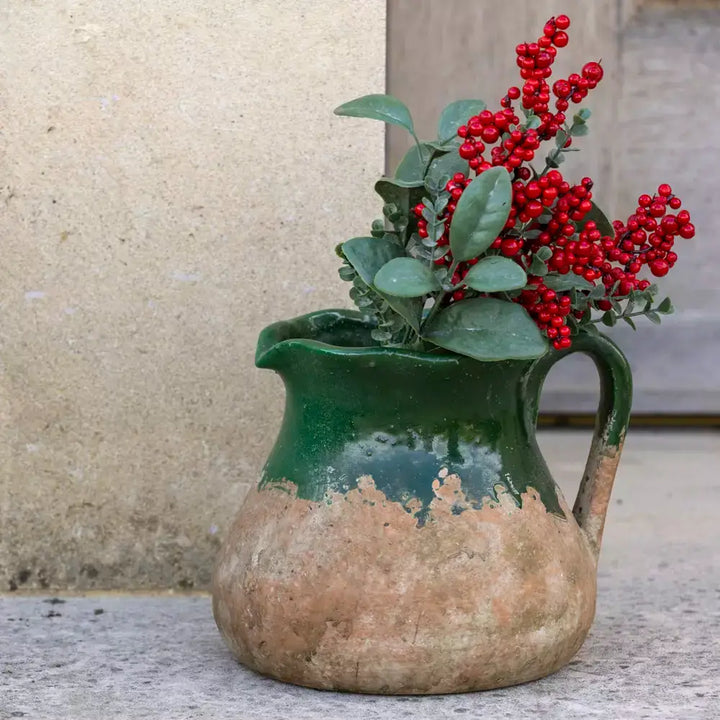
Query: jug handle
point(611, 423)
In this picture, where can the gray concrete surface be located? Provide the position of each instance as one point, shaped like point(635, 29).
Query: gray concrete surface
point(653, 653)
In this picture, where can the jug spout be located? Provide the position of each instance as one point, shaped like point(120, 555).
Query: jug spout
point(279, 344)
point(272, 351)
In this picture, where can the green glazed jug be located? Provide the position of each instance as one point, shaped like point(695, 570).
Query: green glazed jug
point(406, 535)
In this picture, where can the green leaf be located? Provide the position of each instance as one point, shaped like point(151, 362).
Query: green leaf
point(412, 166)
point(378, 228)
point(487, 329)
point(533, 122)
point(584, 114)
point(495, 274)
point(590, 329)
point(346, 272)
point(653, 317)
point(666, 307)
point(446, 146)
point(562, 283)
point(367, 255)
point(630, 322)
point(385, 108)
point(405, 277)
point(446, 166)
point(380, 335)
point(599, 218)
point(481, 214)
point(579, 130)
point(544, 252)
point(456, 114)
point(400, 193)
point(598, 292)
point(537, 267)
point(609, 318)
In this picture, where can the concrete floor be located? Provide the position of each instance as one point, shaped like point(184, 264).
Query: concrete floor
point(654, 651)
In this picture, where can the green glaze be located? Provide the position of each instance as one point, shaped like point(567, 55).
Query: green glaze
point(355, 409)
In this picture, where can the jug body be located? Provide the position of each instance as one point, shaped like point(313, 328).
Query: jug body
point(406, 535)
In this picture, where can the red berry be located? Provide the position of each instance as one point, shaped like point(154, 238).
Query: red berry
point(562, 22)
point(687, 231)
point(509, 247)
point(683, 217)
point(659, 268)
point(665, 190)
point(467, 151)
point(560, 39)
point(490, 134)
point(593, 71)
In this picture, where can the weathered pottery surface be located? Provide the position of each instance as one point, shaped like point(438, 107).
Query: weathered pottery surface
point(406, 536)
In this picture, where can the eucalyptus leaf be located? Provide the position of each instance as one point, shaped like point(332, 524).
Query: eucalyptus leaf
point(481, 214)
point(653, 317)
point(456, 114)
point(630, 322)
point(609, 318)
point(367, 255)
point(346, 272)
point(486, 329)
point(537, 267)
point(544, 252)
point(570, 281)
point(666, 307)
point(532, 123)
point(597, 292)
point(378, 228)
point(385, 108)
point(380, 335)
point(405, 277)
point(579, 130)
point(584, 114)
point(495, 274)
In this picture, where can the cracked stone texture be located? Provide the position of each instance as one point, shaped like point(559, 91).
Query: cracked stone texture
point(653, 652)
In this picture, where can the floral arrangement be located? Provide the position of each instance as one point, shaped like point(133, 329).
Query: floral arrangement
point(481, 254)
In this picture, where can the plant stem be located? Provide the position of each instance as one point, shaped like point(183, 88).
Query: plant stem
point(630, 315)
point(436, 307)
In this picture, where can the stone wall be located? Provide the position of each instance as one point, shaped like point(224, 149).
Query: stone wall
point(172, 179)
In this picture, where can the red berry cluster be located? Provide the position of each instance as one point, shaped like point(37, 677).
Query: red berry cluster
point(535, 61)
point(549, 212)
point(549, 310)
point(649, 234)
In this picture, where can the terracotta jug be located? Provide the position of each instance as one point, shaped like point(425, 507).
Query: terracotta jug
point(406, 535)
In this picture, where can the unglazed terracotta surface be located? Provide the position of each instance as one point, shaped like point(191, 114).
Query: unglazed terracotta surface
point(351, 594)
point(406, 536)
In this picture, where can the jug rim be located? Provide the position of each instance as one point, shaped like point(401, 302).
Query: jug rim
point(302, 331)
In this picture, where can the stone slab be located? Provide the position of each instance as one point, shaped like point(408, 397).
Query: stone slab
point(653, 652)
